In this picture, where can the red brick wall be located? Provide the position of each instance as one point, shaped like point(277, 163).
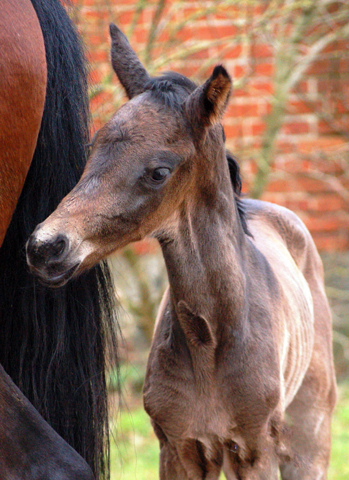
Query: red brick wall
point(310, 172)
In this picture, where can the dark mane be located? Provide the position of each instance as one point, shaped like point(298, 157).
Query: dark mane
point(236, 181)
point(171, 89)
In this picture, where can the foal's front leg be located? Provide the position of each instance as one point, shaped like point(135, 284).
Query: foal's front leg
point(264, 467)
point(188, 460)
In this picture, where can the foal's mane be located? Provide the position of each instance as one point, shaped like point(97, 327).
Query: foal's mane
point(171, 89)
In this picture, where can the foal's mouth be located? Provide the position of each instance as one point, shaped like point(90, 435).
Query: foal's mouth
point(55, 280)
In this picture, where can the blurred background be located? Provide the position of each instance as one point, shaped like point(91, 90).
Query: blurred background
point(288, 124)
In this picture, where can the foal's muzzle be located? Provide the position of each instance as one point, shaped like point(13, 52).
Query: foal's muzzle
point(49, 259)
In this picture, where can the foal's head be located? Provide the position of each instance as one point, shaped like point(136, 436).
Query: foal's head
point(153, 156)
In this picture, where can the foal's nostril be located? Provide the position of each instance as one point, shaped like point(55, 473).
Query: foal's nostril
point(47, 252)
point(58, 246)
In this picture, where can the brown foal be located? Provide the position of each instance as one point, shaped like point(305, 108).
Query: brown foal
point(240, 375)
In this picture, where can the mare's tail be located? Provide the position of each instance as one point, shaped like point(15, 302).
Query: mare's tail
point(53, 342)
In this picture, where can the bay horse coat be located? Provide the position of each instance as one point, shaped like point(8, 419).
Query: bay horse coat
point(240, 375)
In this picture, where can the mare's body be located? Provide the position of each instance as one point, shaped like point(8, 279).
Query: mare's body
point(240, 376)
point(23, 78)
point(52, 343)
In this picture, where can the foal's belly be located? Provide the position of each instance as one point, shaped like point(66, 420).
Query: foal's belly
point(294, 320)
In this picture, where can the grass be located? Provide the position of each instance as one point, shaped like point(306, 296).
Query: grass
point(135, 457)
point(339, 467)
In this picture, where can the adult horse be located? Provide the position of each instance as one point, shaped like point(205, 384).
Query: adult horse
point(240, 375)
point(52, 342)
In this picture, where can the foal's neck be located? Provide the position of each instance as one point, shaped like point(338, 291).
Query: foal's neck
point(205, 257)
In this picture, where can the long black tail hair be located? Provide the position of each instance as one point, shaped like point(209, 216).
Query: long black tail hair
point(53, 342)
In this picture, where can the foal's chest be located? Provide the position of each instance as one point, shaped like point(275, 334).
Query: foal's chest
point(184, 405)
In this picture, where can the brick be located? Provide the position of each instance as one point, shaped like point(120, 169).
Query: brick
point(96, 39)
point(325, 242)
point(329, 203)
point(239, 71)
point(257, 128)
point(292, 163)
point(294, 128)
point(264, 69)
point(233, 131)
point(262, 50)
point(311, 185)
point(344, 64)
point(125, 18)
point(274, 197)
point(296, 107)
point(260, 87)
point(188, 70)
point(212, 32)
point(319, 67)
point(98, 56)
point(188, 11)
point(324, 223)
point(340, 107)
point(234, 51)
point(326, 144)
point(163, 37)
point(297, 205)
point(94, 16)
point(140, 34)
point(284, 146)
point(280, 185)
point(303, 86)
point(264, 107)
point(95, 76)
point(336, 46)
point(101, 97)
point(203, 54)
point(242, 110)
point(145, 247)
point(324, 128)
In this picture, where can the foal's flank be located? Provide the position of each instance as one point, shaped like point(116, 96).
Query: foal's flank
point(240, 375)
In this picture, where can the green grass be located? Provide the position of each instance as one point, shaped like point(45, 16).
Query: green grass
point(339, 467)
point(136, 455)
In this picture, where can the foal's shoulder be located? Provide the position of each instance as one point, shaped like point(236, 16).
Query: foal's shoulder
point(265, 216)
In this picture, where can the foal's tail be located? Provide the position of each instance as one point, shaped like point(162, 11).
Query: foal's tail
point(53, 342)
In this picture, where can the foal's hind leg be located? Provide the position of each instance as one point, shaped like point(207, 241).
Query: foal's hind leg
point(310, 412)
point(310, 420)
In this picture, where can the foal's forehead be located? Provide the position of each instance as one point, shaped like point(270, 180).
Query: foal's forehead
point(143, 116)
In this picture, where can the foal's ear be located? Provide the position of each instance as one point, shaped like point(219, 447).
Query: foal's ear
point(131, 73)
point(207, 104)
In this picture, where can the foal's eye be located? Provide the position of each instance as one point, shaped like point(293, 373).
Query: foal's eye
point(160, 174)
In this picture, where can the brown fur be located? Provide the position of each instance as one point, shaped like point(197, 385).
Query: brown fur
point(240, 375)
point(23, 88)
